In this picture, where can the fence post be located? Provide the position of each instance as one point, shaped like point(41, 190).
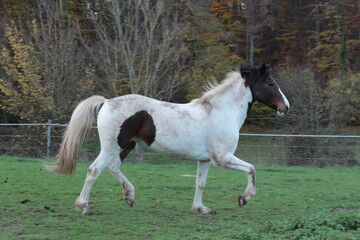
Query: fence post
point(48, 145)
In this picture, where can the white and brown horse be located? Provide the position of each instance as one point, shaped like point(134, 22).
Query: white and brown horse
point(206, 130)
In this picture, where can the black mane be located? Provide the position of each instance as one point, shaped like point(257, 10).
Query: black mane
point(248, 72)
point(249, 69)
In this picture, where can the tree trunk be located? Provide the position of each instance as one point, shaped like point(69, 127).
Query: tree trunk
point(252, 49)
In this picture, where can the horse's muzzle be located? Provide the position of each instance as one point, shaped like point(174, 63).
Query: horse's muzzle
point(282, 111)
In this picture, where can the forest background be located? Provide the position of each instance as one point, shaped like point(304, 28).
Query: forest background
point(55, 53)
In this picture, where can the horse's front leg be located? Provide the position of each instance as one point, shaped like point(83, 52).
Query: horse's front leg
point(202, 171)
point(232, 162)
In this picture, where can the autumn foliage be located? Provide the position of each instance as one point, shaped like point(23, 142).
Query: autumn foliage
point(55, 53)
point(24, 91)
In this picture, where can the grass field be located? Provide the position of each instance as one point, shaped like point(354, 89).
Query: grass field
point(291, 203)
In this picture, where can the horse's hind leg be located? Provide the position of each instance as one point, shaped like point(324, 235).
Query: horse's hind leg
point(128, 188)
point(100, 163)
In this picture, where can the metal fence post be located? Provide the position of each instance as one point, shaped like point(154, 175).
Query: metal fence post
point(48, 145)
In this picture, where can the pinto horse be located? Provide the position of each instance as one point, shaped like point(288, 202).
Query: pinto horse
point(205, 129)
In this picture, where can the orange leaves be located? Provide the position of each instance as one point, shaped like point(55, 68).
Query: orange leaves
point(227, 11)
point(25, 92)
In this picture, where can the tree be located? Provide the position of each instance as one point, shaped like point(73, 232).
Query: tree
point(61, 53)
point(208, 40)
point(317, 111)
point(248, 21)
point(344, 100)
point(43, 54)
point(151, 47)
point(309, 106)
point(290, 39)
point(330, 37)
point(139, 48)
point(25, 92)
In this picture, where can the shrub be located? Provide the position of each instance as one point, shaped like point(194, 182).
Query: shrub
point(323, 225)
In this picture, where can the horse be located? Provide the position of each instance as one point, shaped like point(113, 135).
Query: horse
point(205, 129)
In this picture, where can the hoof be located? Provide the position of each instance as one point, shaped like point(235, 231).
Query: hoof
point(242, 201)
point(203, 210)
point(86, 211)
point(83, 206)
point(129, 195)
point(130, 202)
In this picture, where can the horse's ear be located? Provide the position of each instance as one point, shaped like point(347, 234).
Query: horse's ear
point(245, 71)
point(265, 67)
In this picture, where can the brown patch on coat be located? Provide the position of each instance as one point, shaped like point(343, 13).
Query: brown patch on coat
point(130, 146)
point(140, 125)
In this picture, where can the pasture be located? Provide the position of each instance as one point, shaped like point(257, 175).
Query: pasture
point(291, 203)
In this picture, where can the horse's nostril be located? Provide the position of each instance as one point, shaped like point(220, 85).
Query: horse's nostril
point(286, 109)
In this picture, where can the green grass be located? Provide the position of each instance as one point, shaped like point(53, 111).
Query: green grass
point(291, 203)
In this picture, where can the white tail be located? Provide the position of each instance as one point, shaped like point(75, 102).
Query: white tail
point(80, 124)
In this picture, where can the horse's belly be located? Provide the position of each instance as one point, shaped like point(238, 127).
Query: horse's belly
point(181, 148)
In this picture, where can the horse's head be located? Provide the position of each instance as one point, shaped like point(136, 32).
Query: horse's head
point(264, 88)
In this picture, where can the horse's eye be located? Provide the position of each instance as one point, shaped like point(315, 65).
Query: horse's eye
point(271, 84)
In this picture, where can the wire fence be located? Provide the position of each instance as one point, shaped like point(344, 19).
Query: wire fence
point(43, 140)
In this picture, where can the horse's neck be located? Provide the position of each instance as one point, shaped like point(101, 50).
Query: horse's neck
point(235, 102)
